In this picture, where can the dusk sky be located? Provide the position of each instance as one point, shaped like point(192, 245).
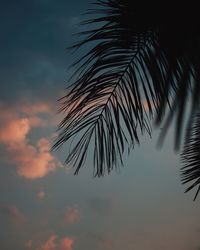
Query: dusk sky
point(43, 206)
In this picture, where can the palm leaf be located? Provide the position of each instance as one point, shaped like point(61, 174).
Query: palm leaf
point(138, 68)
point(191, 157)
point(108, 98)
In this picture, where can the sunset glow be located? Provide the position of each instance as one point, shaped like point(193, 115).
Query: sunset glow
point(43, 206)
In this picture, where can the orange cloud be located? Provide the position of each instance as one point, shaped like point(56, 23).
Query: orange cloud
point(71, 215)
point(14, 131)
point(52, 243)
point(32, 161)
point(66, 243)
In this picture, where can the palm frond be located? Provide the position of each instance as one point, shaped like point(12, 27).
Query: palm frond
point(114, 93)
point(141, 65)
point(191, 157)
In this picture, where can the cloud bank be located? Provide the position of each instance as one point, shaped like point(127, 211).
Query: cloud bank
point(32, 160)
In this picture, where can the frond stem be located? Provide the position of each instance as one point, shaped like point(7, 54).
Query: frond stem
point(116, 84)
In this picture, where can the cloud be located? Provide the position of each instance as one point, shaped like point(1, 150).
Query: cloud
point(40, 72)
point(14, 131)
point(41, 195)
point(65, 243)
point(14, 214)
point(32, 160)
point(72, 215)
point(50, 243)
point(36, 108)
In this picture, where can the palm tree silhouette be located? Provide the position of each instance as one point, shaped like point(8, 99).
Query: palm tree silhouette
point(143, 68)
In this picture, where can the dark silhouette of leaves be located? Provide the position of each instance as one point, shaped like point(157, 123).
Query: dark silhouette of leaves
point(191, 157)
point(143, 63)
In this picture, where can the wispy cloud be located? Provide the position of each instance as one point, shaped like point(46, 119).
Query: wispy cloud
point(32, 160)
point(41, 195)
point(36, 108)
point(72, 215)
point(29, 244)
point(13, 213)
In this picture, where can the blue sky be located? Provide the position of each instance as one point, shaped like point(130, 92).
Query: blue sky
point(43, 206)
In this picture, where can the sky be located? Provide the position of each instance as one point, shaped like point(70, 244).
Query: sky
point(43, 206)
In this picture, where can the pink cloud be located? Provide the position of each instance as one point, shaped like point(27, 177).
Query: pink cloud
point(36, 108)
point(72, 215)
point(32, 160)
point(14, 131)
point(53, 243)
